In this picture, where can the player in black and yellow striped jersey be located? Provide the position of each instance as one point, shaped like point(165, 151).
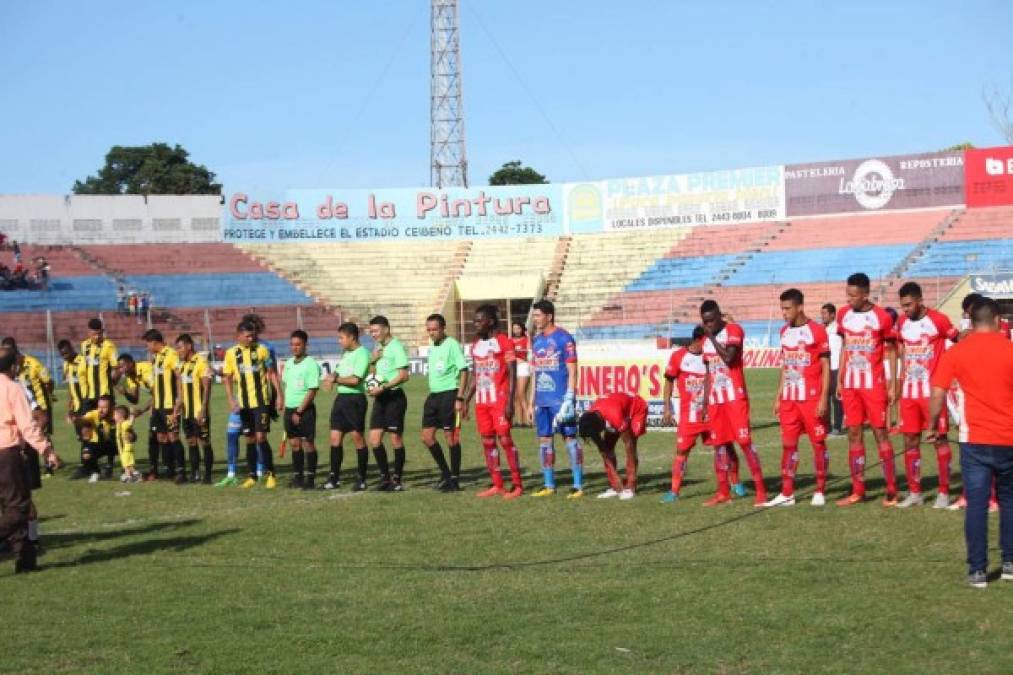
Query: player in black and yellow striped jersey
point(193, 405)
point(164, 387)
point(74, 374)
point(96, 429)
point(248, 379)
point(37, 380)
point(100, 356)
point(132, 377)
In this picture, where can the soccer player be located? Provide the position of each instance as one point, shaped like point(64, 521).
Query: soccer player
point(125, 439)
point(74, 374)
point(193, 407)
point(390, 363)
point(866, 390)
point(132, 376)
point(37, 380)
point(522, 347)
point(554, 368)
point(493, 385)
point(728, 410)
point(100, 356)
point(246, 374)
point(803, 396)
point(921, 339)
point(300, 381)
point(448, 383)
point(618, 415)
point(164, 418)
point(687, 373)
point(348, 412)
point(274, 384)
point(96, 429)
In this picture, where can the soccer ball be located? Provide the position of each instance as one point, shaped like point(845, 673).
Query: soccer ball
point(372, 382)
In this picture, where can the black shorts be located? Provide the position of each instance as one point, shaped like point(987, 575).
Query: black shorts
point(33, 473)
point(439, 411)
point(99, 449)
point(162, 422)
point(193, 428)
point(255, 420)
point(349, 413)
point(307, 427)
point(389, 409)
point(87, 405)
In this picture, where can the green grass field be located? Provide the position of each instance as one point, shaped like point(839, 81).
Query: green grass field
point(198, 579)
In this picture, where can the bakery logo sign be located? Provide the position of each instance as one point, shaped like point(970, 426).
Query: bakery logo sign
point(904, 182)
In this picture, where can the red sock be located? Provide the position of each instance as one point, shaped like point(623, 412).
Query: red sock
point(678, 471)
point(733, 465)
point(721, 469)
point(492, 461)
point(913, 469)
point(789, 465)
point(821, 462)
point(889, 467)
point(513, 460)
point(753, 460)
point(856, 463)
point(609, 459)
point(944, 455)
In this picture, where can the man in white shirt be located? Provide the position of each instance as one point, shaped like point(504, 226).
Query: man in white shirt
point(828, 313)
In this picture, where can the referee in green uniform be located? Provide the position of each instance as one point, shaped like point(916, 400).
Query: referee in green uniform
point(300, 381)
point(390, 364)
point(448, 380)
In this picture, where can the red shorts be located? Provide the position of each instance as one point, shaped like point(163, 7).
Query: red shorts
point(686, 435)
point(797, 417)
point(491, 421)
point(729, 422)
point(914, 417)
point(864, 405)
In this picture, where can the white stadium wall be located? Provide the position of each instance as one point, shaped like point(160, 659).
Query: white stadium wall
point(100, 219)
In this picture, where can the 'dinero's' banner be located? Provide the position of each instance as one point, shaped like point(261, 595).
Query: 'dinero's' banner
point(394, 214)
point(714, 197)
point(989, 176)
point(875, 184)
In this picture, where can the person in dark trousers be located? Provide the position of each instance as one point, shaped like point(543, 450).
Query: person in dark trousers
point(828, 313)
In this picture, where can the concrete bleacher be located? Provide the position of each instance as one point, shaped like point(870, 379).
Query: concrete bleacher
point(218, 290)
point(64, 294)
point(818, 264)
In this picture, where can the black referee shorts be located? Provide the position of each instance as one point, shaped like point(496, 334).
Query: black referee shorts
point(389, 410)
point(439, 411)
point(349, 413)
point(307, 427)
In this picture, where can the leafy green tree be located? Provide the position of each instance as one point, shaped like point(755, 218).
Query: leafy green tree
point(512, 173)
point(960, 146)
point(155, 169)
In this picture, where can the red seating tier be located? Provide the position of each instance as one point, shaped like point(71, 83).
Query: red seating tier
point(860, 230)
point(171, 259)
point(990, 223)
point(719, 239)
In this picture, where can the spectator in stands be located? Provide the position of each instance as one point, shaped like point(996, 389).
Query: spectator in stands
point(17, 252)
point(3, 241)
point(132, 303)
point(121, 300)
point(42, 272)
point(144, 306)
point(829, 315)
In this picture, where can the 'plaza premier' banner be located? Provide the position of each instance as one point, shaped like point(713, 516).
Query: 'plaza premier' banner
point(988, 175)
point(876, 184)
point(394, 214)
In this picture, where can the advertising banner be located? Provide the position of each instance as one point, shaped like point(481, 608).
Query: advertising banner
point(875, 184)
point(725, 197)
point(394, 214)
point(988, 176)
point(998, 286)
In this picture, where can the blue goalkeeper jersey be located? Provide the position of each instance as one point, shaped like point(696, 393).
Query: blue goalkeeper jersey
point(549, 356)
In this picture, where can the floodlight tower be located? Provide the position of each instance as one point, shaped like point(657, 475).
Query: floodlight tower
point(447, 159)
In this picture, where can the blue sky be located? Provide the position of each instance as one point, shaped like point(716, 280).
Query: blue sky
point(329, 93)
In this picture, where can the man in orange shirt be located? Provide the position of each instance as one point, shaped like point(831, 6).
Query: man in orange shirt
point(982, 364)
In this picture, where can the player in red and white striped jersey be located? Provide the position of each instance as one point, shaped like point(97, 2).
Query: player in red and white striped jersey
point(493, 385)
point(803, 395)
point(865, 387)
point(687, 373)
point(921, 340)
point(729, 401)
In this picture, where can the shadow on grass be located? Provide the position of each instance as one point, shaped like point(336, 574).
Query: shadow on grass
point(146, 547)
point(61, 540)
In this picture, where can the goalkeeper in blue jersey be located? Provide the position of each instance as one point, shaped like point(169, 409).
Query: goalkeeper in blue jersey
point(554, 372)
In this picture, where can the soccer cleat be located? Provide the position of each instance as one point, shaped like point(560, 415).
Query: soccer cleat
point(942, 501)
point(124, 477)
point(670, 497)
point(93, 478)
point(575, 493)
point(545, 492)
point(608, 494)
point(890, 500)
point(719, 498)
point(135, 478)
point(296, 483)
point(396, 486)
point(513, 494)
point(739, 490)
point(150, 476)
point(248, 483)
point(818, 499)
point(978, 579)
point(384, 485)
point(491, 492)
point(912, 499)
point(180, 479)
point(271, 482)
point(781, 500)
point(441, 484)
point(1007, 571)
point(332, 483)
point(208, 479)
point(195, 477)
point(359, 486)
point(851, 500)
point(958, 505)
point(228, 481)
point(627, 495)
point(450, 485)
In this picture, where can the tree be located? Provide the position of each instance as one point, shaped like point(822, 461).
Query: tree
point(999, 105)
point(512, 173)
point(966, 145)
point(155, 169)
